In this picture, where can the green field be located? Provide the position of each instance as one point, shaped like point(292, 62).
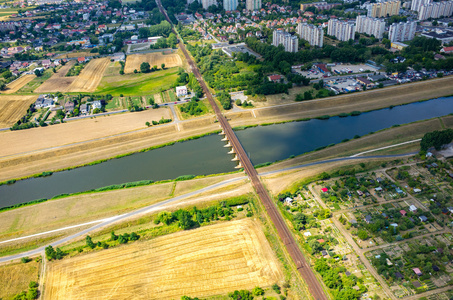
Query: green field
point(138, 84)
point(116, 103)
point(32, 85)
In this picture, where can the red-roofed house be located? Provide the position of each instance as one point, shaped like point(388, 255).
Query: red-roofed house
point(324, 190)
point(447, 50)
point(321, 241)
point(275, 78)
point(403, 213)
point(81, 59)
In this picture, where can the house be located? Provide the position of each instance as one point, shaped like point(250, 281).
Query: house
point(43, 101)
point(399, 191)
point(376, 77)
point(321, 241)
point(84, 108)
point(384, 215)
point(119, 56)
point(398, 275)
point(412, 208)
point(417, 190)
point(46, 63)
point(181, 90)
point(416, 284)
point(447, 50)
point(378, 189)
point(379, 179)
point(324, 253)
point(69, 107)
point(436, 268)
point(368, 219)
point(365, 82)
point(417, 271)
point(403, 213)
point(275, 78)
point(353, 221)
point(289, 201)
point(359, 192)
point(307, 233)
point(423, 218)
point(324, 190)
point(97, 104)
point(81, 60)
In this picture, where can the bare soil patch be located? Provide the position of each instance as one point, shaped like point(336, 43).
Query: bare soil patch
point(15, 278)
point(91, 76)
point(12, 108)
point(17, 84)
point(134, 61)
point(207, 261)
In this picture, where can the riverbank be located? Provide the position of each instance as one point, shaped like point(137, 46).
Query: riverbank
point(36, 158)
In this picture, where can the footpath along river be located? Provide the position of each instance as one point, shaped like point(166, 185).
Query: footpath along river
point(208, 156)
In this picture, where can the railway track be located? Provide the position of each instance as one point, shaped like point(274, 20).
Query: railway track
point(283, 231)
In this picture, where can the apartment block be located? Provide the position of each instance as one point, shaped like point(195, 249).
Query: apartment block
point(416, 4)
point(290, 42)
point(371, 26)
point(384, 9)
point(343, 31)
point(230, 5)
point(400, 32)
point(253, 5)
point(207, 3)
point(435, 10)
point(314, 35)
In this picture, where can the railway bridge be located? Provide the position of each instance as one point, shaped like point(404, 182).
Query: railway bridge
point(283, 231)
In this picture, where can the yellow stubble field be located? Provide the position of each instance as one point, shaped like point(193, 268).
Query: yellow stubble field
point(134, 61)
point(17, 84)
point(211, 260)
point(13, 107)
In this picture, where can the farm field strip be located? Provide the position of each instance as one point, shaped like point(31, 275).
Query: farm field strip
point(13, 107)
point(17, 84)
point(134, 61)
point(90, 77)
point(210, 260)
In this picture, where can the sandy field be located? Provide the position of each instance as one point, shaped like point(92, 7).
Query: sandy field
point(154, 59)
point(12, 108)
point(211, 260)
point(91, 75)
point(76, 131)
point(17, 84)
point(15, 278)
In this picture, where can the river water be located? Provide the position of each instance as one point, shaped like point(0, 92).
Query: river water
point(208, 156)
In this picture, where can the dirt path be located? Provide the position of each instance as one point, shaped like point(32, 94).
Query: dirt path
point(42, 275)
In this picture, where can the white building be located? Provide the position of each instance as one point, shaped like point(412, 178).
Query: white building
point(435, 10)
point(384, 9)
point(312, 34)
point(400, 32)
point(290, 42)
point(97, 104)
point(253, 5)
point(343, 31)
point(371, 26)
point(181, 90)
point(207, 3)
point(230, 5)
point(416, 4)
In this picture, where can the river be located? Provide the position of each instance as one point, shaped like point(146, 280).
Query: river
point(207, 155)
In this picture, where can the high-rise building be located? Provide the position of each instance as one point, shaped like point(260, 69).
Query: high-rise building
point(384, 9)
point(343, 31)
point(416, 4)
point(371, 26)
point(290, 42)
point(400, 32)
point(207, 3)
point(314, 35)
point(253, 5)
point(230, 5)
point(435, 10)
point(318, 5)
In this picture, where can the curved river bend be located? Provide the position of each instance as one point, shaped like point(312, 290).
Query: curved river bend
point(208, 156)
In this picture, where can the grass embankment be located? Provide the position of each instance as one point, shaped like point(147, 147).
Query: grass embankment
point(139, 84)
point(202, 108)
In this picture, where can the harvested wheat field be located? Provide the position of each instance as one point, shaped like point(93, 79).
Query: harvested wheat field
point(15, 278)
point(14, 86)
point(134, 61)
point(211, 260)
point(76, 54)
point(12, 108)
point(91, 75)
point(58, 82)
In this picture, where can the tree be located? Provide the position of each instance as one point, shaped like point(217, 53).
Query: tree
point(39, 72)
point(363, 235)
point(148, 124)
point(89, 242)
point(113, 236)
point(50, 252)
point(145, 67)
point(162, 66)
point(257, 291)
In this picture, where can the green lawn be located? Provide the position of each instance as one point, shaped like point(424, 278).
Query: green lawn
point(35, 83)
point(138, 84)
point(172, 95)
point(115, 104)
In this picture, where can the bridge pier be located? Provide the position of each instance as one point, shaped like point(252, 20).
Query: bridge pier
point(236, 158)
point(222, 132)
point(232, 151)
point(239, 166)
point(227, 145)
point(224, 139)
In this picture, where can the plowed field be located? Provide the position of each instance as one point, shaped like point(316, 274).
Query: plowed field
point(212, 260)
point(134, 61)
point(12, 108)
point(18, 83)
